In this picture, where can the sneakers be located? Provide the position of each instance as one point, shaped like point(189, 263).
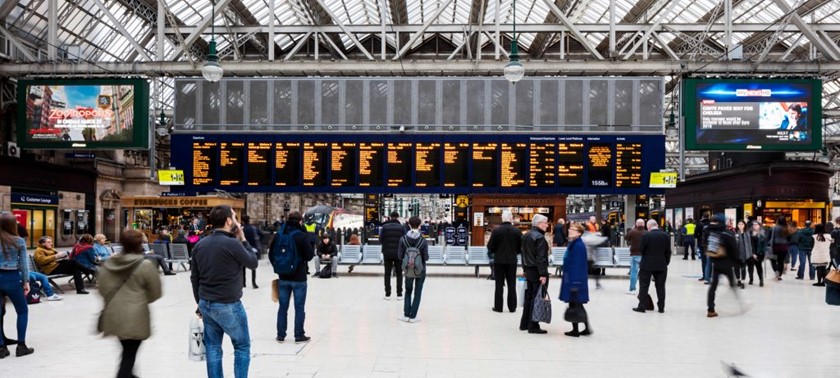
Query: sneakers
point(301, 340)
point(387, 298)
point(399, 297)
point(414, 320)
point(54, 297)
point(632, 292)
point(404, 319)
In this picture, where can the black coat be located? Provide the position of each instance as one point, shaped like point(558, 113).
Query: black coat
point(656, 251)
point(535, 251)
point(729, 243)
point(504, 244)
point(560, 236)
point(389, 236)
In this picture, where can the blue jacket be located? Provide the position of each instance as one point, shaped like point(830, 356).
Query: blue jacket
point(17, 258)
point(102, 251)
point(85, 256)
point(575, 273)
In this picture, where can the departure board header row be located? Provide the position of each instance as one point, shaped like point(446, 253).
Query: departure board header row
point(420, 164)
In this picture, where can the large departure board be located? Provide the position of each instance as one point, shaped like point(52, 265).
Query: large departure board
point(456, 165)
point(371, 157)
point(484, 165)
point(287, 164)
point(628, 164)
point(600, 158)
point(399, 164)
point(343, 164)
point(570, 166)
point(514, 165)
point(420, 163)
point(427, 164)
point(259, 164)
point(541, 165)
point(230, 163)
point(315, 164)
point(205, 158)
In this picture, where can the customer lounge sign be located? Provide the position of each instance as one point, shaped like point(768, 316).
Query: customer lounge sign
point(34, 199)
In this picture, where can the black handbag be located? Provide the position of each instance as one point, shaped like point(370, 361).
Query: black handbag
point(541, 312)
point(575, 313)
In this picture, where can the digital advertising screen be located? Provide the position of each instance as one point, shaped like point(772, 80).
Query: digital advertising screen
point(741, 114)
point(83, 113)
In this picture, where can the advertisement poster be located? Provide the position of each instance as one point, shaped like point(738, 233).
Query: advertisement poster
point(79, 113)
point(21, 217)
point(678, 216)
point(669, 216)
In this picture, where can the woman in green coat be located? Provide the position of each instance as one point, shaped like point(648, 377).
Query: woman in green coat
point(128, 283)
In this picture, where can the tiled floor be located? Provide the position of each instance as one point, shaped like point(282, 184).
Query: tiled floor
point(787, 332)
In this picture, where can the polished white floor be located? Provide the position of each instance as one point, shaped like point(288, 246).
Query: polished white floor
point(787, 332)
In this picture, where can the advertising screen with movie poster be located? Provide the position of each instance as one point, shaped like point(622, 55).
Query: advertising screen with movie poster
point(82, 114)
point(752, 114)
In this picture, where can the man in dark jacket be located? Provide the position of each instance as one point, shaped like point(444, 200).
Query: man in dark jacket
point(217, 263)
point(253, 238)
point(535, 264)
point(504, 244)
point(701, 236)
point(294, 283)
point(560, 234)
point(720, 240)
point(805, 242)
point(413, 285)
point(634, 237)
point(655, 249)
point(389, 235)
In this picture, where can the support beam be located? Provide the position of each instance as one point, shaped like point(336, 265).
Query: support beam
point(52, 29)
point(18, 44)
point(297, 47)
point(7, 8)
point(671, 53)
point(727, 21)
point(422, 30)
point(828, 48)
point(272, 19)
point(653, 27)
point(161, 25)
point(117, 24)
point(575, 33)
point(195, 34)
point(345, 30)
point(612, 28)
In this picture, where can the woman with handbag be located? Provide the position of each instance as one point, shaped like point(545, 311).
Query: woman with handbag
point(820, 256)
point(574, 288)
point(128, 283)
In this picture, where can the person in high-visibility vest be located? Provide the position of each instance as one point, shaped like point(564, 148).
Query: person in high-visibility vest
point(688, 238)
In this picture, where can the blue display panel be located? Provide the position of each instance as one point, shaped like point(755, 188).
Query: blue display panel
point(371, 163)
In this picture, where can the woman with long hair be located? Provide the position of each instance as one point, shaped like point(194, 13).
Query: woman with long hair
point(820, 255)
point(14, 265)
point(759, 245)
point(780, 238)
point(574, 288)
point(745, 251)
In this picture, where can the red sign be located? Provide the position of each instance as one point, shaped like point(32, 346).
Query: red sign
point(20, 216)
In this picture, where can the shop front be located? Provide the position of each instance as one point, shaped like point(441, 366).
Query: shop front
point(37, 214)
point(487, 212)
point(150, 214)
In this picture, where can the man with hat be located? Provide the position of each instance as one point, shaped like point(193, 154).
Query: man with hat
point(721, 249)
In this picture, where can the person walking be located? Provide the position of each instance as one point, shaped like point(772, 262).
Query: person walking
point(561, 236)
point(574, 287)
point(745, 252)
point(688, 239)
point(722, 249)
point(293, 283)
point(780, 236)
point(758, 243)
point(535, 264)
point(412, 244)
point(390, 235)
point(252, 236)
point(504, 244)
point(14, 264)
point(805, 243)
point(634, 238)
point(701, 236)
point(655, 248)
point(217, 264)
point(820, 254)
point(128, 283)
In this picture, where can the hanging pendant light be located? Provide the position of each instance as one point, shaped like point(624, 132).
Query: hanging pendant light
point(212, 70)
point(514, 70)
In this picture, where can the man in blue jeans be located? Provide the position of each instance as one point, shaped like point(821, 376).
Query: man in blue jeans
point(414, 284)
point(217, 264)
point(293, 283)
point(634, 237)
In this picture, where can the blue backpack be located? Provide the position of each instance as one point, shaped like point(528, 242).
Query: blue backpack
point(286, 258)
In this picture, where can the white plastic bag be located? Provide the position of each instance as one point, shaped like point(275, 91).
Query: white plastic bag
point(520, 292)
point(196, 350)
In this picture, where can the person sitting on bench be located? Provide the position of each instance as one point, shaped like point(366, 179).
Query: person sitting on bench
point(326, 253)
point(52, 262)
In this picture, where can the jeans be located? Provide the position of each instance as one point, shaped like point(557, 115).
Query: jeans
point(286, 289)
point(793, 254)
point(12, 287)
point(220, 319)
point(411, 305)
point(634, 271)
point(129, 356)
point(800, 273)
point(396, 266)
point(707, 268)
point(44, 281)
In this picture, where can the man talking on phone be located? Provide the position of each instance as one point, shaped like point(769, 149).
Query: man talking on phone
point(217, 264)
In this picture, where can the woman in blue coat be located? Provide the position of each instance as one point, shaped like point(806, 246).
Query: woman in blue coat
point(574, 289)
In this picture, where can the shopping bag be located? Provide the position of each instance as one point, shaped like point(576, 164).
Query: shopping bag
point(542, 307)
point(275, 293)
point(196, 350)
point(520, 292)
point(832, 293)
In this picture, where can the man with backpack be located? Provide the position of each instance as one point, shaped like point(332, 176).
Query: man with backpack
point(390, 236)
point(413, 252)
point(290, 253)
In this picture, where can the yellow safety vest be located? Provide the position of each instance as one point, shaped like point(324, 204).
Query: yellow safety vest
point(689, 229)
point(310, 227)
